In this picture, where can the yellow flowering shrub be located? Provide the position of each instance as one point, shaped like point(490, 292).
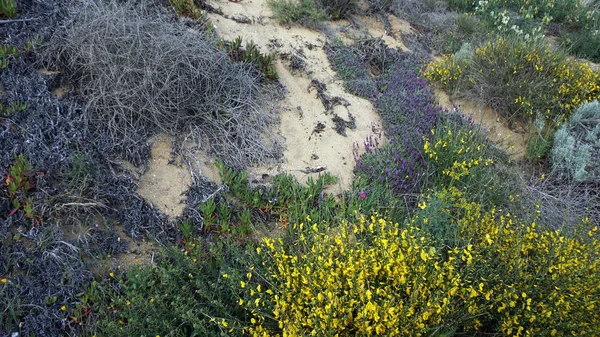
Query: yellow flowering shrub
point(459, 155)
point(378, 278)
point(520, 79)
point(447, 71)
point(372, 278)
point(527, 281)
point(455, 153)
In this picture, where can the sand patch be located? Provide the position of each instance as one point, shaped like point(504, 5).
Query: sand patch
point(513, 142)
point(208, 167)
point(165, 183)
point(311, 141)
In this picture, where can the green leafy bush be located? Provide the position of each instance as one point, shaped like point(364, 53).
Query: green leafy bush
point(576, 149)
point(520, 79)
point(583, 43)
point(302, 12)
point(459, 155)
point(188, 293)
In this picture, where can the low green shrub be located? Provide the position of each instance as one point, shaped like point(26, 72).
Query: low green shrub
point(251, 53)
point(11, 109)
point(583, 43)
point(7, 52)
point(188, 8)
point(576, 149)
point(462, 5)
point(18, 185)
point(303, 12)
point(539, 146)
point(450, 35)
point(459, 155)
point(520, 79)
point(189, 292)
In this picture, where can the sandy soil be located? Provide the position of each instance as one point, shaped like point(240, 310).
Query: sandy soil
point(302, 112)
point(515, 143)
point(165, 183)
point(140, 252)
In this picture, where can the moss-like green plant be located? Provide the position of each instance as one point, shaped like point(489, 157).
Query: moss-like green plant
point(251, 53)
point(8, 8)
point(18, 184)
point(7, 52)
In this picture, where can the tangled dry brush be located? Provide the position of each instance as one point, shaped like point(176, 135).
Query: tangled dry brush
point(142, 71)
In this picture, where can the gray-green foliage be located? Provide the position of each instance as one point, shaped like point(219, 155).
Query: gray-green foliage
point(576, 150)
point(465, 52)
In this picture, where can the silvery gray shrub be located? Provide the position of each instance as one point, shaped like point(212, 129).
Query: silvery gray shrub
point(576, 149)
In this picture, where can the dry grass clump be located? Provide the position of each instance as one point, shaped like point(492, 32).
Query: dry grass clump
point(142, 72)
point(561, 202)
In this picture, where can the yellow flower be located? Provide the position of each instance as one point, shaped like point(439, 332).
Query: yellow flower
point(63, 308)
point(4, 280)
